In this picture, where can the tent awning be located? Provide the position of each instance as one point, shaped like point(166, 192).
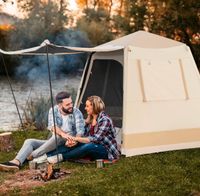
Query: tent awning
point(59, 50)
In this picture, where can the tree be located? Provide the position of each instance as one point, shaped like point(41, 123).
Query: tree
point(179, 20)
point(43, 20)
point(46, 9)
point(96, 24)
point(132, 18)
point(176, 19)
point(96, 5)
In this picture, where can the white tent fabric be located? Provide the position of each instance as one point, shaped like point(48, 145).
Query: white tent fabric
point(160, 92)
point(162, 80)
point(59, 50)
point(143, 39)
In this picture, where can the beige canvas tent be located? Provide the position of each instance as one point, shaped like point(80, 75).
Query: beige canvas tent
point(151, 87)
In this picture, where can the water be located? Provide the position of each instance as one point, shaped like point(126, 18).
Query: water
point(24, 92)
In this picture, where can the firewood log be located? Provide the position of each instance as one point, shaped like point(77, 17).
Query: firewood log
point(6, 142)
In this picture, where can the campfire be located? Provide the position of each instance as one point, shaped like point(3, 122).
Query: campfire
point(30, 178)
point(49, 173)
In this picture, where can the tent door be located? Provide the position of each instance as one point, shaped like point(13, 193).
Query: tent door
point(106, 81)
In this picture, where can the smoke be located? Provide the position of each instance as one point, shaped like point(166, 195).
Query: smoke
point(36, 67)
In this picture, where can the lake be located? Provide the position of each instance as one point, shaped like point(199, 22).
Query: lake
point(25, 91)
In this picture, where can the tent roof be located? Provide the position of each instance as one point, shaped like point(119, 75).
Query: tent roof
point(140, 39)
point(143, 39)
point(59, 50)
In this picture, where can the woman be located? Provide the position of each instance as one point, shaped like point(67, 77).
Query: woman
point(99, 142)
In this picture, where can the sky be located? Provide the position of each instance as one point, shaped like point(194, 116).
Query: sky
point(11, 7)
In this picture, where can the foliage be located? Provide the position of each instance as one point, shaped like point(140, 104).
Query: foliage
point(132, 18)
point(167, 173)
point(102, 4)
point(36, 114)
point(104, 20)
point(52, 13)
point(176, 19)
point(96, 24)
point(43, 21)
point(179, 20)
point(3, 37)
point(73, 93)
point(4, 32)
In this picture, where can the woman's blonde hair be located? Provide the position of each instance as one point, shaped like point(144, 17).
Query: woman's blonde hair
point(97, 104)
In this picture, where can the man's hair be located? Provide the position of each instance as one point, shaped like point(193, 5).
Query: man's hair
point(62, 95)
point(97, 104)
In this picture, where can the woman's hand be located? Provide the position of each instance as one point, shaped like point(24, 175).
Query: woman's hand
point(81, 139)
point(70, 143)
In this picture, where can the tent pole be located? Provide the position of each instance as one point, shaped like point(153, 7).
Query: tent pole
point(84, 81)
point(106, 80)
point(52, 105)
point(9, 81)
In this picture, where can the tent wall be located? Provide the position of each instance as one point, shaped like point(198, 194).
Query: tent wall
point(151, 123)
point(154, 88)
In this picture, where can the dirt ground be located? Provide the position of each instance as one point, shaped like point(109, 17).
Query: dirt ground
point(27, 179)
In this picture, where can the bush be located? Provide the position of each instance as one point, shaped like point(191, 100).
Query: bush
point(36, 114)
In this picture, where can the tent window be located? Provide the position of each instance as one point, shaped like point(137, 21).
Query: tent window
point(162, 80)
point(106, 81)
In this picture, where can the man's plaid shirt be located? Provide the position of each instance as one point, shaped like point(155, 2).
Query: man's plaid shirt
point(76, 123)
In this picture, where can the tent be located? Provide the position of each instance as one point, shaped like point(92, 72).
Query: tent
point(150, 85)
point(151, 88)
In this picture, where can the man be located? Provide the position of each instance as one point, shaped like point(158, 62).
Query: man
point(64, 122)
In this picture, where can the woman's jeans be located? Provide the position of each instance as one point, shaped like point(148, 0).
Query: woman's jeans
point(91, 150)
point(37, 147)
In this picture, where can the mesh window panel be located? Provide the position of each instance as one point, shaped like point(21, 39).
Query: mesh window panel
point(106, 81)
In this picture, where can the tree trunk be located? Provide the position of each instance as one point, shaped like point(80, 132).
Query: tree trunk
point(6, 142)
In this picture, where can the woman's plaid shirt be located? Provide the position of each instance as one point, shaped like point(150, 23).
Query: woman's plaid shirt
point(105, 134)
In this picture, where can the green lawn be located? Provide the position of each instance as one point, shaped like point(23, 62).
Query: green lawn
point(169, 173)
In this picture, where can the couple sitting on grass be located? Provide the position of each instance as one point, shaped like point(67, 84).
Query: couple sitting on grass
point(76, 138)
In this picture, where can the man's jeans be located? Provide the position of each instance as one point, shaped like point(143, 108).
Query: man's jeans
point(91, 150)
point(37, 147)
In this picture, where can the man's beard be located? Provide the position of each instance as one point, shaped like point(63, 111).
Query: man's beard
point(67, 111)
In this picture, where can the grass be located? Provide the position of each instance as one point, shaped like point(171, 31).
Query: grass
point(167, 173)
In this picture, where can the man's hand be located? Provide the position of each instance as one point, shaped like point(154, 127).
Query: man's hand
point(65, 135)
point(60, 132)
point(70, 142)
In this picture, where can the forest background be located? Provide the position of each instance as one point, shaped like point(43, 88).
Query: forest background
point(92, 23)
